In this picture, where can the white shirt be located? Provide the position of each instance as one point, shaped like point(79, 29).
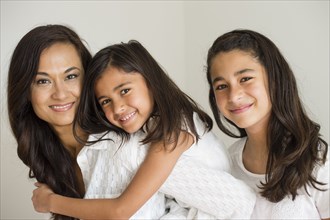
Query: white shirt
point(315, 206)
point(200, 181)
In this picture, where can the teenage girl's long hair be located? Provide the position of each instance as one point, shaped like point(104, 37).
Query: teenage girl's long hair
point(294, 142)
point(37, 144)
point(173, 108)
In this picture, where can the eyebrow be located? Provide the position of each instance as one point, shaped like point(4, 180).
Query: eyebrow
point(235, 74)
point(66, 71)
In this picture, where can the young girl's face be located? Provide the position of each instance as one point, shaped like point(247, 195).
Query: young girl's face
point(125, 98)
point(241, 89)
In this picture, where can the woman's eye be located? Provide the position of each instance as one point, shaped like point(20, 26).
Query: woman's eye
point(72, 76)
point(124, 91)
point(42, 81)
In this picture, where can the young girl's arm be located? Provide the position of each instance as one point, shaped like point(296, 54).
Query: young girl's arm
point(213, 191)
point(152, 173)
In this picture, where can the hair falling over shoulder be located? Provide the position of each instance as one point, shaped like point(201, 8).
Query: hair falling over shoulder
point(294, 140)
point(171, 104)
point(37, 144)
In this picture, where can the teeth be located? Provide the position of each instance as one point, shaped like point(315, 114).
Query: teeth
point(60, 106)
point(127, 116)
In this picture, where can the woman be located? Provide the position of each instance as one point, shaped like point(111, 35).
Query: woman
point(44, 83)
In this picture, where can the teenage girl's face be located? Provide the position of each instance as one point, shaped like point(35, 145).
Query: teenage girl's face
point(125, 98)
point(241, 89)
point(56, 88)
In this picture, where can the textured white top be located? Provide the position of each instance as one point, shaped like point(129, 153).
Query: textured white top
point(315, 206)
point(200, 178)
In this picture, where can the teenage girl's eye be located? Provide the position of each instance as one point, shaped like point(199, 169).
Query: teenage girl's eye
point(220, 87)
point(244, 79)
point(124, 91)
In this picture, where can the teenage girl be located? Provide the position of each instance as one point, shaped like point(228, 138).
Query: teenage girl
point(280, 152)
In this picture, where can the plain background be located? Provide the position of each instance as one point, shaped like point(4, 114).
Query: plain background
point(178, 35)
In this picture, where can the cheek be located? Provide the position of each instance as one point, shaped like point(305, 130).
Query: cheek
point(220, 100)
point(108, 114)
point(76, 90)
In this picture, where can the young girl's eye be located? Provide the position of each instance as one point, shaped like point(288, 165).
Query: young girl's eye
point(124, 91)
point(104, 102)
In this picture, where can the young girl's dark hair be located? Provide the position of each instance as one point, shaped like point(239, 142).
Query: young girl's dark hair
point(294, 142)
point(38, 145)
point(172, 106)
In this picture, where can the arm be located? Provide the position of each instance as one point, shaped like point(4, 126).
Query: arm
point(212, 191)
point(152, 173)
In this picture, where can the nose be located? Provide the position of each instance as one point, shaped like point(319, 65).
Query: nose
point(118, 107)
point(235, 93)
point(59, 90)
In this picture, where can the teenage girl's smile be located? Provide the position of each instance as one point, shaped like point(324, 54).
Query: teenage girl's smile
point(241, 89)
point(240, 109)
point(125, 98)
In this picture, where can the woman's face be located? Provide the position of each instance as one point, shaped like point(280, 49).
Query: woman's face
point(240, 86)
point(55, 91)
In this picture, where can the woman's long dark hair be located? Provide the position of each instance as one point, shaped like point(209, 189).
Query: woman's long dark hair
point(294, 141)
point(38, 145)
point(172, 105)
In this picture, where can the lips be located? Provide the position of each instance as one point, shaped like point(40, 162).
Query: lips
point(241, 109)
point(62, 108)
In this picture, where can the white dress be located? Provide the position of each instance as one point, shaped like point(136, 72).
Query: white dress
point(313, 206)
point(200, 181)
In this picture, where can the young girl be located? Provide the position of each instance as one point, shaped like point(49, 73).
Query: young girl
point(280, 153)
point(128, 93)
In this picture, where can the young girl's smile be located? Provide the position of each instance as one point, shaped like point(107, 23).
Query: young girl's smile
point(241, 89)
point(125, 98)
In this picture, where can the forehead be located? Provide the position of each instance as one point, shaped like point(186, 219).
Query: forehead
point(57, 55)
point(235, 60)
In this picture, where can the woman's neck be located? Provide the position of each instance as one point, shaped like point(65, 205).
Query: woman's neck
point(65, 134)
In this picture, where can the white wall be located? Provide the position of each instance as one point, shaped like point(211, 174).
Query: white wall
point(178, 34)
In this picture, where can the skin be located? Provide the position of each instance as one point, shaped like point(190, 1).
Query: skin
point(240, 86)
point(125, 98)
point(55, 93)
point(122, 96)
point(241, 89)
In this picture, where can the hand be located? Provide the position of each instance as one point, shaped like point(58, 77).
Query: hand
point(41, 197)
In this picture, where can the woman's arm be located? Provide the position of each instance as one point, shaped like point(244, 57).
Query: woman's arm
point(152, 173)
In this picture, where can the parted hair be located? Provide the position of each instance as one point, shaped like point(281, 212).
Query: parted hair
point(294, 141)
point(172, 111)
point(38, 146)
